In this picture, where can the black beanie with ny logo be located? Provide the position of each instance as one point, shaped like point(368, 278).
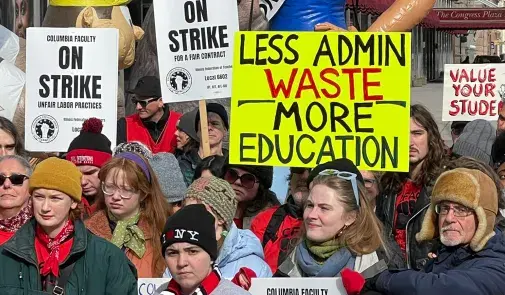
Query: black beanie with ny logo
point(192, 224)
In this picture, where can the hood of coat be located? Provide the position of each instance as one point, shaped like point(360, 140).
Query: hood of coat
point(237, 245)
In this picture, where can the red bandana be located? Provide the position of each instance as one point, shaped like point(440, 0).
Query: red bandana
point(51, 264)
point(207, 286)
point(16, 222)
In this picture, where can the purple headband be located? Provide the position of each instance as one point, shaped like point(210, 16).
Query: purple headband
point(138, 160)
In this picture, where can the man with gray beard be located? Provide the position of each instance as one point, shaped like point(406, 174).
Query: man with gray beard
point(462, 214)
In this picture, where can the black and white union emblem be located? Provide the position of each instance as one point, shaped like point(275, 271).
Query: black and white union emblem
point(44, 128)
point(179, 80)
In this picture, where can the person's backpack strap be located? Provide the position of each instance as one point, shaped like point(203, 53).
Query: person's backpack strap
point(274, 225)
point(59, 286)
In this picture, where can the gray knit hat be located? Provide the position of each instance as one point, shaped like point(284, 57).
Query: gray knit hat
point(218, 194)
point(476, 141)
point(169, 175)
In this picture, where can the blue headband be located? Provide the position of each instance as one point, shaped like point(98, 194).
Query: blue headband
point(138, 160)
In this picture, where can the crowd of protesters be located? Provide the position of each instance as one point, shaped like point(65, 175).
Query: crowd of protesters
point(97, 219)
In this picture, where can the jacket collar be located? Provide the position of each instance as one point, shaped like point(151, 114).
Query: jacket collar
point(98, 224)
point(292, 209)
point(22, 244)
point(161, 123)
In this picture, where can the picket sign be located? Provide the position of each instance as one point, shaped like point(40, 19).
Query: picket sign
point(262, 286)
point(313, 111)
point(297, 286)
point(195, 48)
point(152, 286)
point(473, 91)
point(71, 75)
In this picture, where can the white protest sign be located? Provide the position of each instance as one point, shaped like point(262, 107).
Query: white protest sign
point(71, 75)
point(195, 48)
point(152, 286)
point(297, 286)
point(270, 7)
point(473, 91)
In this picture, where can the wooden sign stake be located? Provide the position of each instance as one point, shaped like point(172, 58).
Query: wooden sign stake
point(204, 128)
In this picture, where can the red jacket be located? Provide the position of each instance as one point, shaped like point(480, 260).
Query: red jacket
point(136, 131)
point(278, 228)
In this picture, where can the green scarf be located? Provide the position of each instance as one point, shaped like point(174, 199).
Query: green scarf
point(323, 251)
point(128, 234)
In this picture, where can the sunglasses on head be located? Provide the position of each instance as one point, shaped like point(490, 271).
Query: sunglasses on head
point(144, 103)
point(247, 180)
point(346, 176)
point(15, 179)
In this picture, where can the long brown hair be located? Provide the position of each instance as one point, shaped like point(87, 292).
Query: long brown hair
point(432, 164)
point(364, 235)
point(153, 205)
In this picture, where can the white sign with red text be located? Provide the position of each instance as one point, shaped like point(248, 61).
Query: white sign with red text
point(473, 91)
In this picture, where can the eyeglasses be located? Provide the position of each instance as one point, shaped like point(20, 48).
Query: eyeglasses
point(144, 103)
point(15, 179)
point(458, 210)
point(369, 182)
point(346, 176)
point(110, 189)
point(247, 180)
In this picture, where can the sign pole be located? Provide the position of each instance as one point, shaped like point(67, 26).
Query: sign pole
point(204, 128)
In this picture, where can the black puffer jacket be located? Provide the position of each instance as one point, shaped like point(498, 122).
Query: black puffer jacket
point(417, 253)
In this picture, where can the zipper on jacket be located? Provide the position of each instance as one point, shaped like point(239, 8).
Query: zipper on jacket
point(407, 250)
point(21, 278)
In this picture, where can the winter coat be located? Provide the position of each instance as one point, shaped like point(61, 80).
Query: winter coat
point(456, 270)
point(98, 224)
point(417, 253)
point(278, 229)
point(290, 267)
point(241, 248)
point(100, 267)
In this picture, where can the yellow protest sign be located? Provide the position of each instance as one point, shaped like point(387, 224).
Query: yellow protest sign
point(300, 99)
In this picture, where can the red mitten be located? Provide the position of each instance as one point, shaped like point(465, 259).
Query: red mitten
point(353, 281)
point(244, 277)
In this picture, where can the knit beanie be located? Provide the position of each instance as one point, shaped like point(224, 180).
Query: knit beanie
point(133, 147)
point(476, 141)
point(57, 174)
point(265, 174)
point(90, 147)
point(216, 193)
point(192, 224)
point(169, 176)
point(187, 124)
point(341, 165)
point(470, 188)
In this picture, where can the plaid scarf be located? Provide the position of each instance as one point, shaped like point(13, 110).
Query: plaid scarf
point(16, 222)
point(52, 264)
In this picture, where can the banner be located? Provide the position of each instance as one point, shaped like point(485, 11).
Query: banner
point(71, 75)
point(152, 286)
point(300, 99)
point(473, 91)
point(195, 48)
point(297, 286)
